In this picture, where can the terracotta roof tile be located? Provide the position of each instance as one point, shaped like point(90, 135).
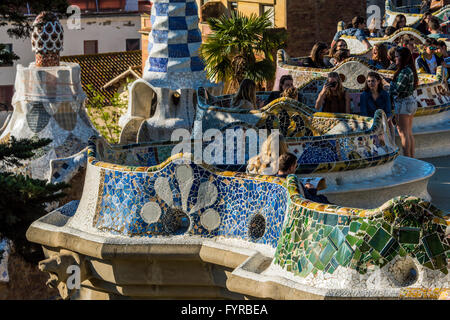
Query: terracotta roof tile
point(99, 69)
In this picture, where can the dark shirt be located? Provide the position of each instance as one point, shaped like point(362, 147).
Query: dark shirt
point(423, 27)
point(369, 105)
point(393, 66)
point(274, 95)
point(308, 62)
point(333, 104)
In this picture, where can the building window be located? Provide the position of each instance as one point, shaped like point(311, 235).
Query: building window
point(7, 48)
point(271, 15)
point(90, 46)
point(232, 6)
point(133, 44)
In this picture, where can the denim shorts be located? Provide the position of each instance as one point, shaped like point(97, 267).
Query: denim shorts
point(406, 105)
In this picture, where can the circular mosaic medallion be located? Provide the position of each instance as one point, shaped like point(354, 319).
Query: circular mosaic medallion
point(361, 79)
point(210, 219)
point(257, 227)
point(175, 221)
point(151, 212)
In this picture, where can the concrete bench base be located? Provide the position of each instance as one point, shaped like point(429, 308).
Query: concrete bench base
point(115, 267)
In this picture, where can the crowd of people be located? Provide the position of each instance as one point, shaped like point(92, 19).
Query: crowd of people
point(395, 98)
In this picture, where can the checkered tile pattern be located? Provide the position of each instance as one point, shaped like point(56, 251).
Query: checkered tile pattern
point(174, 44)
point(175, 37)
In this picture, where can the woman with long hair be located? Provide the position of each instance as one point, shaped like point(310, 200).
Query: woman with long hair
point(286, 83)
point(245, 98)
point(333, 97)
point(399, 21)
point(266, 162)
point(380, 58)
point(316, 58)
point(401, 90)
point(338, 45)
point(374, 97)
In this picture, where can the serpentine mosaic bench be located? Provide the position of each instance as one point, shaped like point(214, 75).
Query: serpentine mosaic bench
point(411, 13)
point(179, 210)
point(358, 48)
point(322, 142)
point(431, 120)
point(354, 154)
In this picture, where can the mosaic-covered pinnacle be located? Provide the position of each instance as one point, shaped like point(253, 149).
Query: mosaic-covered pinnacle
point(174, 44)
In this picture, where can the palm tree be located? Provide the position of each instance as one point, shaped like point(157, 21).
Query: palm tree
point(241, 47)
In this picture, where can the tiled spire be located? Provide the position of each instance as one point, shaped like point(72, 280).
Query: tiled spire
point(174, 44)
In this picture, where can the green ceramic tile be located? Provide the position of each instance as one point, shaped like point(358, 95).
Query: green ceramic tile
point(331, 219)
point(379, 239)
point(371, 230)
point(354, 226)
point(364, 247)
point(433, 245)
point(364, 226)
point(344, 255)
point(307, 267)
point(327, 254)
point(336, 237)
point(327, 230)
point(351, 240)
point(409, 235)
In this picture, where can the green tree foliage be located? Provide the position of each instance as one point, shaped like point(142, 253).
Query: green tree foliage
point(105, 113)
point(22, 199)
point(241, 47)
point(13, 12)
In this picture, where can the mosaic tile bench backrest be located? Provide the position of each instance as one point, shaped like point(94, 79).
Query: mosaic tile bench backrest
point(323, 142)
point(179, 197)
point(320, 238)
point(411, 13)
point(430, 94)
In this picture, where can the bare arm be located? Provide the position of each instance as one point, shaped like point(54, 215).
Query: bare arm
point(320, 99)
point(367, 44)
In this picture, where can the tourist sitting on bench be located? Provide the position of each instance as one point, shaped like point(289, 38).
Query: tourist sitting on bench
point(359, 25)
point(317, 57)
point(333, 98)
point(435, 29)
point(391, 57)
point(423, 25)
point(338, 45)
point(374, 97)
point(245, 98)
point(399, 22)
point(428, 61)
point(340, 56)
point(266, 162)
point(286, 82)
point(389, 31)
point(287, 166)
point(379, 59)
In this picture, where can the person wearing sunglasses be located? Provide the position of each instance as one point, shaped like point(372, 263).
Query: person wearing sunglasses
point(428, 61)
point(333, 98)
